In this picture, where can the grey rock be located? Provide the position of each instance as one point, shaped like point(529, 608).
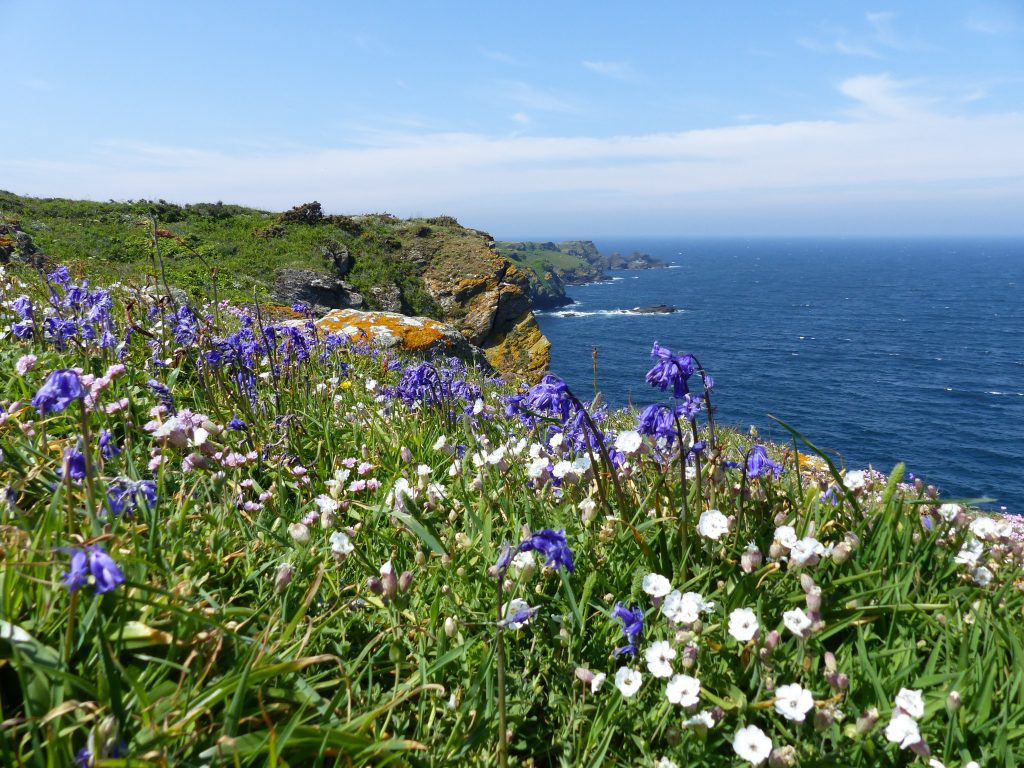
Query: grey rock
point(388, 298)
point(320, 292)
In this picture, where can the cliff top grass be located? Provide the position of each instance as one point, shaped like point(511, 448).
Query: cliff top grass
point(224, 542)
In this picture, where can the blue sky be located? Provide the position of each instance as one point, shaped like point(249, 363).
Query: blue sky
point(533, 119)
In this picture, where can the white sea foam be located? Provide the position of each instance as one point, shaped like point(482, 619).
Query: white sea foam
point(570, 313)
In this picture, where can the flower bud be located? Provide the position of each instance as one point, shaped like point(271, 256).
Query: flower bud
point(374, 584)
point(689, 656)
point(953, 701)
point(867, 721)
point(771, 640)
point(388, 579)
point(327, 519)
point(823, 719)
point(814, 600)
point(406, 455)
point(584, 675)
point(776, 551)
point(751, 559)
point(841, 553)
point(404, 582)
point(806, 582)
point(782, 757)
point(299, 533)
point(284, 577)
point(451, 626)
point(420, 558)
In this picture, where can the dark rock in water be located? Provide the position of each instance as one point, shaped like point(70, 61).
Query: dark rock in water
point(320, 292)
point(388, 298)
point(656, 309)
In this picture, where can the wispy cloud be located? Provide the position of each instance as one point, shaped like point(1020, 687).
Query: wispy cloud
point(994, 27)
point(880, 36)
point(617, 70)
point(529, 97)
point(842, 46)
point(894, 150)
point(499, 56)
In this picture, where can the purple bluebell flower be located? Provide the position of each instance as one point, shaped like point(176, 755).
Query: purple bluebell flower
point(23, 306)
point(108, 444)
point(236, 424)
point(62, 387)
point(550, 396)
point(670, 369)
point(74, 464)
point(657, 420)
point(504, 558)
point(300, 308)
point(632, 625)
point(553, 545)
point(163, 394)
point(77, 574)
point(830, 496)
point(105, 572)
point(759, 465)
point(61, 276)
point(123, 495)
point(689, 408)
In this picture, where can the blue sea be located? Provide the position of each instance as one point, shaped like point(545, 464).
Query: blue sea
point(878, 351)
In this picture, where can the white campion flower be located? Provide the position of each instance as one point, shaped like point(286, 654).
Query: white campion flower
point(970, 552)
point(704, 718)
point(299, 533)
point(524, 563)
point(985, 528)
point(855, 479)
point(683, 690)
point(743, 624)
point(806, 551)
point(401, 494)
point(713, 525)
point(562, 469)
point(326, 504)
point(982, 576)
point(752, 745)
point(440, 443)
point(341, 545)
point(664, 762)
point(793, 702)
point(656, 585)
point(628, 681)
point(478, 407)
point(588, 508)
point(948, 512)
point(903, 730)
point(537, 467)
point(686, 608)
point(910, 701)
point(786, 536)
point(659, 655)
point(797, 622)
point(597, 682)
point(581, 465)
point(628, 442)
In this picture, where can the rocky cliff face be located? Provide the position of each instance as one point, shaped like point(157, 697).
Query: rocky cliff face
point(487, 298)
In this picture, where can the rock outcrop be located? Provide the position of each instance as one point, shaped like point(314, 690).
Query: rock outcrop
point(487, 298)
point(320, 292)
point(390, 330)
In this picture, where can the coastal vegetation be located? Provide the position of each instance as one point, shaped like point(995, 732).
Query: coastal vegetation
point(228, 540)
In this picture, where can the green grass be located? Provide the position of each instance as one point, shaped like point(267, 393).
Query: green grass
point(206, 656)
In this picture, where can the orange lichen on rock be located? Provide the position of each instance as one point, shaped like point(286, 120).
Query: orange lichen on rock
point(391, 330)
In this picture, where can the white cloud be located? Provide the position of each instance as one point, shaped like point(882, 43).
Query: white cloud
point(893, 151)
point(991, 26)
point(530, 97)
point(617, 70)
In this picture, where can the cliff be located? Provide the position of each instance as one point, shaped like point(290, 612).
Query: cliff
point(551, 266)
point(433, 268)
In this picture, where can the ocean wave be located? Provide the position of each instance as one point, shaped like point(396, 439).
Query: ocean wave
point(1011, 394)
point(598, 313)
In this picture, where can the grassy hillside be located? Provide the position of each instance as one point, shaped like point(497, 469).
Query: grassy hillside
point(113, 241)
point(228, 544)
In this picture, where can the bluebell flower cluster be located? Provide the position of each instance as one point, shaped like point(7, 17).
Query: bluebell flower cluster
point(553, 545)
point(92, 560)
point(123, 495)
point(632, 625)
point(759, 465)
point(61, 388)
point(671, 370)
